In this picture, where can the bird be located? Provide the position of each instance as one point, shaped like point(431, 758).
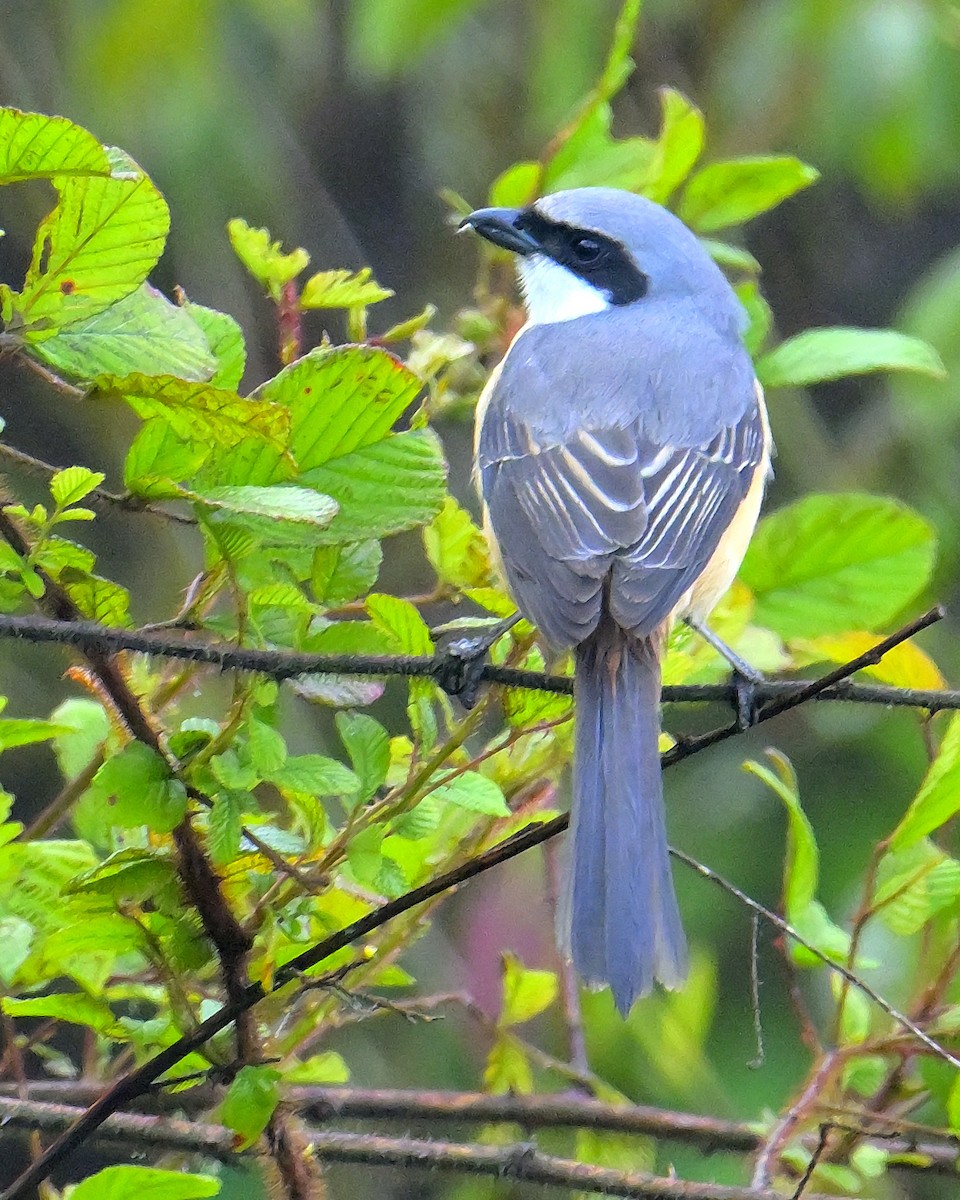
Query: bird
point(622, 450)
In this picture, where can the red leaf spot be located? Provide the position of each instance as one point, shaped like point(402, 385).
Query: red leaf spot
point(68, 287)
point(307, 391)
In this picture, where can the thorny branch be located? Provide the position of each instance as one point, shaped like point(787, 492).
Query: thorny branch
point(520, 1161)
point(773, 695)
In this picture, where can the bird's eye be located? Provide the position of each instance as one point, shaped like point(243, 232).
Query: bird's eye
point(586, 249)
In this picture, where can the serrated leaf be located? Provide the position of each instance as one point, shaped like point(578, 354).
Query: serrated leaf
point(821, 354)
point(368, 745)
point(98, 599)
point(938, 799)
point(144, 1183)
point(73, 483)
point(835, 563)
point(157, 458)
point(142, 332)
point(526, 992)
point(224, 826)
point(200, 411)
point(731, 192)
point(141, 789)
point(474, 792)
point(342, 289)
point(127, 875)
point(16, 937)
point(266, 748)
point(365, 854)
point(914, 884)
point(97, 246)
point(282, 503)
point(456, 547)
point(225, 340)
point(264, 258)
point(35, 146)
point(401, 623)
point(343, 403)
point(315, 775)
point(75, 1007)
point(341, 573)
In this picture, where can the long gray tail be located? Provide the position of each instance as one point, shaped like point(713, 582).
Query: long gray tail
point(624, 924)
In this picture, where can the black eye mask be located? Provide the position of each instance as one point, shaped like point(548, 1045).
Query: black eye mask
point(595, 258)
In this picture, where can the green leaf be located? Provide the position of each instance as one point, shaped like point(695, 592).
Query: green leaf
point(98, 599)
point(368, 745)
point(142, 790)
point(279, 504)
point(517, 186)
point(35, 146)
point(733, 258)
point(474, 792)
point(16, 937)
point(508, 1068)
point(401, 623)
point(456, 548)
point(97, 246)
point(266, 748)
point(801, 867)
point(263, 258)
point(85, 727)
point(820, 354)
point(365, 854)
point(913, 885)
point(677, 148)
point(315, 775)
point(938, 799)
point(127, 875)
point(592, 157)
point(250, 1103)
point(326, 1068)
point(26, 731)
point(158, 457)
point(141, 332)
point(835, 563)
point(342, 289)
point(730, 193)
point(342, 405)
point(224, 826)
point(341, 573)
point(144, 1183)
point(75, 1007)
point(225, 340)
point(526, 992)
point(759, 314)
point(199, 412)
point(72, 484)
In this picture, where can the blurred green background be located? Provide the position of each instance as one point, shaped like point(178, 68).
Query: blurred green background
point(336, 124)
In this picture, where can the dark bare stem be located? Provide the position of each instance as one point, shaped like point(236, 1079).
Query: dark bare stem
point(566, 976)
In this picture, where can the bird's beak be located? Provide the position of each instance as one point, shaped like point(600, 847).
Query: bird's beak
point(499, 225)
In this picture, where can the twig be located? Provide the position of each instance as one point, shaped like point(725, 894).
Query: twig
point(125, 503)
point(775, 696)
point(517, 1162)
point(769, 1151)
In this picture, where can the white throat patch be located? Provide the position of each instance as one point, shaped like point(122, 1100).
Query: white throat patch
point(552, 293)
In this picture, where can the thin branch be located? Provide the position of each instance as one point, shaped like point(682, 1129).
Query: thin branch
point(774, 696)
point(516, 1162)
point(124, 502)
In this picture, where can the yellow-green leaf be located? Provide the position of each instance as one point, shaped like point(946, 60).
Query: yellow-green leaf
point(35, 146)
point(938, 799)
